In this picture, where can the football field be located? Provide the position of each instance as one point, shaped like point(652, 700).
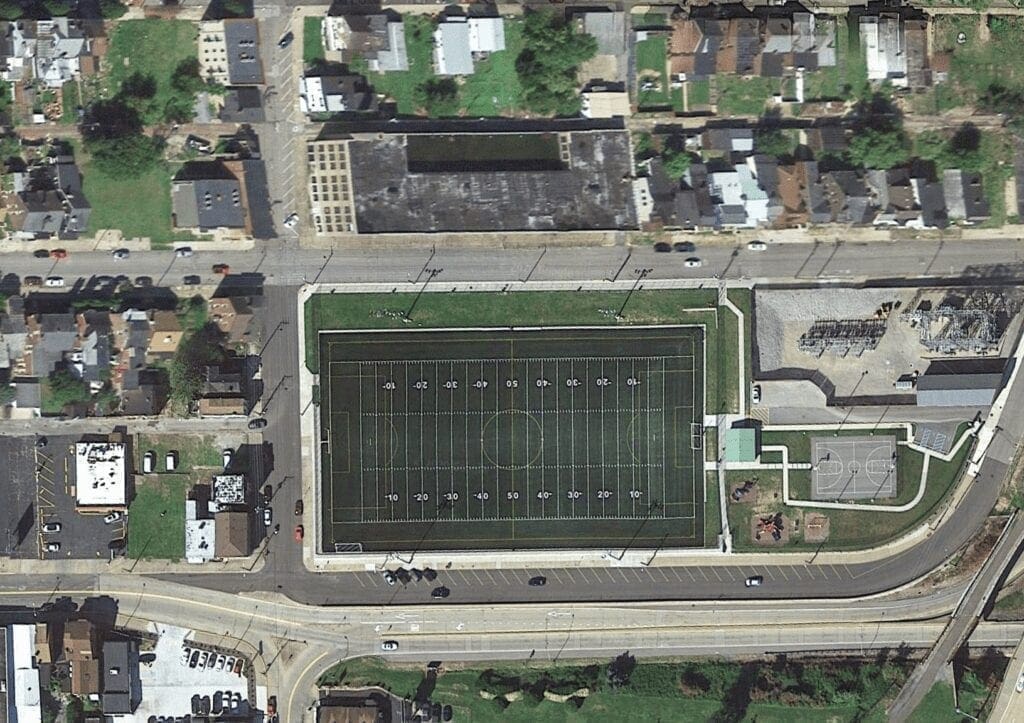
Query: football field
point(498, 438)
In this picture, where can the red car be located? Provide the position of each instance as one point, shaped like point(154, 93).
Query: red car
point(298, 533)
point(58, 254)
point(223, 269)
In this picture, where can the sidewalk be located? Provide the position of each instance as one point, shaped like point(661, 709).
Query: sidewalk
point(126, 566)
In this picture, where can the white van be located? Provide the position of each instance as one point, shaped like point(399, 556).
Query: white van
point(54, 281)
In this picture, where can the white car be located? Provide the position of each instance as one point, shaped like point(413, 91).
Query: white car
point(54, 281)
point(51, 527)
point(226, 456)
point(148, 462)
point(171, 460)
point(754, 581)
point(183, 253)
point(389, 645)
point(53, 547)
point(755, 394)
point(185, 654)
point(692, 263)
point(120, 254)
point(268, 516)
point(292, 220)
point(757, 246)
point(1020, 683)
point(220, 662)
point(113, 517)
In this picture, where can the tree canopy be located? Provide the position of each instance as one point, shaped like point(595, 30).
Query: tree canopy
point(440, 96)
point(113, 135)
point(879, 149)
point(547, 65)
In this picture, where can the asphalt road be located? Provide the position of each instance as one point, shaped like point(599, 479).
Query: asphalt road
point(276, 263)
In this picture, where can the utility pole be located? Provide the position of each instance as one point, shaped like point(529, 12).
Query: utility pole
point(641, 274)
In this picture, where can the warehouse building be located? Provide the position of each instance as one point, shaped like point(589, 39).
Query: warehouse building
point(961, 382)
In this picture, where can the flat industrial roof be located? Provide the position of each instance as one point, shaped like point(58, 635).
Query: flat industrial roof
point(101, 474)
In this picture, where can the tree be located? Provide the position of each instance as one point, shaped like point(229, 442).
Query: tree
point(676, 162)
point(620, 670)
point(113, 135)
point(962, 150)
point(10, 10)
point(773, 142)
point(112, 9)
point(440, 96)
point(57, 8)
point(186, 78)
point(643, 146)
point(195, 352)
point(7, 394)
point(878, 149)
point(65, 388)
point(547, 65)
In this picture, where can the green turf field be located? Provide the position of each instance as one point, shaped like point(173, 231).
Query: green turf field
point(498, 438)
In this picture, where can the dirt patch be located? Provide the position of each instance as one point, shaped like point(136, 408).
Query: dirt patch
point(816, 528)
point(743, 494)
point(969, 558)
point(770, 530)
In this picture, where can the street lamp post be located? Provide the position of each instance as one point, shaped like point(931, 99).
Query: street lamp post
point(641, 274)
point(431, 274)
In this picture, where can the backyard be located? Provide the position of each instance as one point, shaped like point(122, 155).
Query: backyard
point(652, 73)
point(848, 77)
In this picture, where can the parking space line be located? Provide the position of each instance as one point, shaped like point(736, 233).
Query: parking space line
point(502, 576)
point(476, 577)
point(728, 572)
point(676, 574)
point(493, 582)
point(701, 571)
point(555, 575)
point(809, 569)
point(796, 572)
point(715, 573)
point(782, 570)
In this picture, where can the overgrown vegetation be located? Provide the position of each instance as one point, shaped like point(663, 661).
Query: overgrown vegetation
point(63, 389)
point(547, 66)
point(197, 350)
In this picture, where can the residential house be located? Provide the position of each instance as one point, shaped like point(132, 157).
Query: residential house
point(728, 140)
point(48, 201)
point(234, 536)
point(50, 338)
point(603, 102)
point(458, 40)
point(91, 361)
point(52, 51)
point(131, 334)
point(825, 140)
point(896, 49)
point(849, 199)
point(682, 204)
point(242, 105)
point(13, 340)
point(166, 336)
point(802, 41)
point(225, 388)
point(964, 196)
point(229, 51)
point(907, 197)
point(233, 316)
point(739, 199)
point(336, 94)
point(376, 38)
point(702, 47)
point(144, 392)
point(121, 689)
point(81, 650)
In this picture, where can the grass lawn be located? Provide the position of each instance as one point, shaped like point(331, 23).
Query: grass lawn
point(139, 207)
point(849, 529)
point(156, 519)
point(312, 40)
point(698, 93)
point(1012, 605)
point(193, 451)
point(153, 48)
point(434, 310)
point(651, 59)
point(649, 20)
point(401, 85)
point(712, 510)
point(494, 88)
point(653, 695)
point(743, 96)
point(70, 100)
point(936, 707)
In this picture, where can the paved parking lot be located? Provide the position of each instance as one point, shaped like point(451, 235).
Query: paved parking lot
point(41, 491)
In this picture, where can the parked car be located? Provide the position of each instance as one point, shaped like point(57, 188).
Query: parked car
point(257, 423)
point(440, 592)
point(212, 660)
point(148, 462)
point(268, 494)
point(54, 281)
point(186, 653)
point(1020, 683)
point(754, 581)
point(429, 574)
point(171, 460)
point(755, 394)
point(194, 660)
point(51, 527)
point(33, 281)
point(41, 442)
point(663, 247)
point(183, 252)
point(299, 533)
point(230, 664)
point(120, 254)
point(389, 645)
point(418, 574)
point(113, 517)
point(757, 245)
point(686, 247)
point(220, 662)
point(53, 547)
point(298, 507)
point(389, 577)
point(58, 254)
point(239, 666)
point(192, 280)
point(222, 269)
point(446, 713)
point(226, 457)
point(292, 220)
point(268, 516)
point(144, 281)
point(693, 263)
point(286, 39)
point(538, 581)
point(41, 253)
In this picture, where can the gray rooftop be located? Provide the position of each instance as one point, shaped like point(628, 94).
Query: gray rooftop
point(241, 36)
point(492, 182)
point(451, 49)
point(609, 29)
point(207, 195)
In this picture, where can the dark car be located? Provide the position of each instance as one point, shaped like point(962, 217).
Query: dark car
point(257, 423)
point(286, 39)
point(446, 713)
point(538, 581)
point(418, 574)
point(684, 246)
point(192, 280)
point(298, 507)
point(440, 592)
point(268, 494)
point(429, 574)
point(403, 575)
point(41, 442)
point(143, 280)
point(41, 253)
point(435, 711)
point(663, 247)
